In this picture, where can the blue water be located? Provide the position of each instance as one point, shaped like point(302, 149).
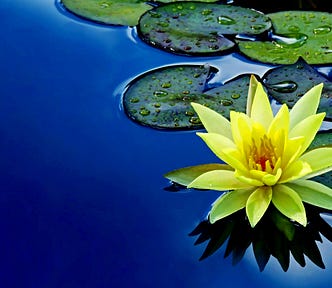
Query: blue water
point(81, 188)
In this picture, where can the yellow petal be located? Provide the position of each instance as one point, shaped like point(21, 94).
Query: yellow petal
point(307, 128)
point(271, 179)
point(313, 193)
point(241, 127)
point(306, 106)
point(220, 180)
point(296, 170)
point(251, 93)
point(320, 161)
point(261, 110)
point(292, 151)
point(224, 148)
point(247, 179)
point(257, 204)
point(229, 203)
point(213, 122)
point(280, 122)
point(289, 203)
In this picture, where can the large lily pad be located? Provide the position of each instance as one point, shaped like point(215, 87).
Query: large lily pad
point(296, 34)
point(288, 83)
point(199, 28)
point(161, 98)
point(123, 12)
point(115, 12)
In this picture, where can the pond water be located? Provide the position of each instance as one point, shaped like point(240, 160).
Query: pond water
point(82, 199)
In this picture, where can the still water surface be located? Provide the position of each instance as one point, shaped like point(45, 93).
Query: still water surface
point(82, 199)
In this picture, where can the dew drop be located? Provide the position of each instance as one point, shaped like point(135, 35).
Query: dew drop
point(134, 100)
point(166, 85)
point(291, 40)
point(226, 102)
point(236, 96)
point(284, 87)
point(194, 120)
point(104, 5)
point(160, 93)
point(257, 27)
point(154, 14)
point(322, 30)
point(225, 20)
point(144, 112)
point(293, 28)
point(190, 113)
point(206, 12)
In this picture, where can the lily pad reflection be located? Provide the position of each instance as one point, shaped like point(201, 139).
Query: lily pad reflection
point(275, 235)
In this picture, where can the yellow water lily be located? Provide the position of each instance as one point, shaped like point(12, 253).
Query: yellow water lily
point(266, 158)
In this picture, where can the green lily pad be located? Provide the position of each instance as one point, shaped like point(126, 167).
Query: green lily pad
point(288, 83)
point(196, 28)
point(322, 139)
point(184, 176)
point(161, 98)
point(296, 34)
point(123, 12)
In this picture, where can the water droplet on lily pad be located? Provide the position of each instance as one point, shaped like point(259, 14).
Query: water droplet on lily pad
point(322, 30)
point(284, 86)
point(224, 20)
point(291, 40)
point(160, 93)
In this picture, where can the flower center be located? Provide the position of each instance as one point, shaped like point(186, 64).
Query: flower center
point(262, 155)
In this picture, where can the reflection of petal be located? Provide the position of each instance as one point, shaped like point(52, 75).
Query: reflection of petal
point(220, 180)
point(289, 203)
point(229, 203)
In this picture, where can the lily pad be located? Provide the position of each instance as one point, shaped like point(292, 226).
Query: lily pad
point(195, 28)
point(123, 12)
point(322, 139)
point(296, 34)
point(161, 98)
point(288, 83)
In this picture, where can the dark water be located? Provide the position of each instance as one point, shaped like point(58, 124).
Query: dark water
point(82, 201)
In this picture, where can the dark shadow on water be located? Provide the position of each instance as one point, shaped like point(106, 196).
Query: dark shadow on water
point(275, 235)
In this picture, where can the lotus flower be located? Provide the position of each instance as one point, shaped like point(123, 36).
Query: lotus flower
point(266, 158)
